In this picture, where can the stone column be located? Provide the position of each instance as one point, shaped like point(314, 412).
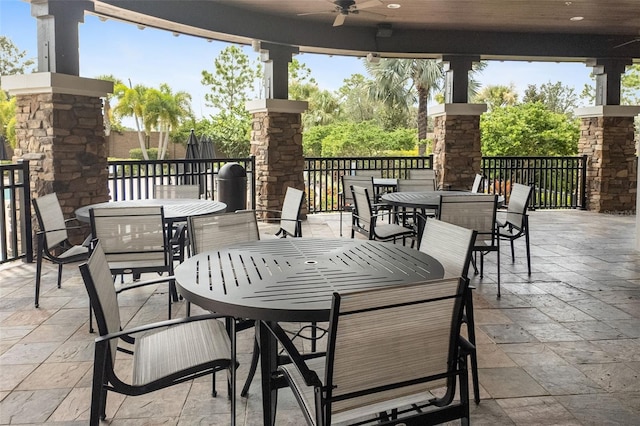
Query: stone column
point(607, 139)
point(60, 131)
point(276, 142)
point(456, 147)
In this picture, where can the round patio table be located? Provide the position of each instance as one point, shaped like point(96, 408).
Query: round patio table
point(293, 279)
point(175, 209)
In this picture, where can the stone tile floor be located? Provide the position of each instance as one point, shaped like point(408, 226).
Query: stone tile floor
point(561, 346)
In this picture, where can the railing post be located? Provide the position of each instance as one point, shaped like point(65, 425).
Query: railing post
point(583, 183)
point(25, 211)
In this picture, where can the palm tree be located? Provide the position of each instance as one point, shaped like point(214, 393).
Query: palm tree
point(131, 103)
point(108, 115)
point(164, 111)
point(496, 96)
point(402, 82)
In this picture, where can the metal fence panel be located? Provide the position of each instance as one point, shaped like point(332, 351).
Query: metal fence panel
point(15, 215)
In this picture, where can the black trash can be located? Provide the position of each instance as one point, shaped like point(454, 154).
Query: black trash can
point(232, 186)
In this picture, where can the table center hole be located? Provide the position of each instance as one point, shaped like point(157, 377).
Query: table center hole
point(311, 262)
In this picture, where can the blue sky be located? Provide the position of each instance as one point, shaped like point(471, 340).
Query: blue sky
point(152, 57)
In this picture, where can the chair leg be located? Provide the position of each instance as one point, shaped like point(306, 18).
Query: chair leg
point(60, 275)
point(252, 370)
point(232, 371)
point(38, 270)
point(471, 331)
point(513, 253)
point(526, 239)
point(498, 262)
point(90, 318)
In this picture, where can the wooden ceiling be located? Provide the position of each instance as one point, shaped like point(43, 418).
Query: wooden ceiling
point(492, 29)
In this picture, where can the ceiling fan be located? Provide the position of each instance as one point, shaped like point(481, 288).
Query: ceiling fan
point(343, 8)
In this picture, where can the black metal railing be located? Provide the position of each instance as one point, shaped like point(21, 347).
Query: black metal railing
point(323, 175)
point(135, 179)
point(15, 215)
point(558, 182)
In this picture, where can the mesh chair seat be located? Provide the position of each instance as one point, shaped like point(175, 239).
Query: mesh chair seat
point(307, 394)
point(515, 223)
point(171, 351)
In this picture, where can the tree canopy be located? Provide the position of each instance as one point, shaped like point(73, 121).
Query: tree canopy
point(528, 129)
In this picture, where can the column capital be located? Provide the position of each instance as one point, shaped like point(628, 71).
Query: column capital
point(608, 111)
point(277, 105)
point(47, 82)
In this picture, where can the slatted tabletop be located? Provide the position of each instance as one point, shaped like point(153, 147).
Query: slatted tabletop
point(175, 209)
point(293, 279)
point(423, 199)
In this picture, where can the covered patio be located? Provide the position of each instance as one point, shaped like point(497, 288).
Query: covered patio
point(561, 346)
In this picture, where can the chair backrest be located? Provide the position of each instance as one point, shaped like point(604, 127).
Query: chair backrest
point(476, 211)
point(416, 185)
point(291, 207)
point(369, 173)
point(449, 244)
point(102, 294)
point(477, 184)
point(176, 191)
point(518, 203)
point(422, 174)
point(50, 219)
point(349, 180)
point(389, 336)
point(217, 230)
point(132, 234)
point(363, 207)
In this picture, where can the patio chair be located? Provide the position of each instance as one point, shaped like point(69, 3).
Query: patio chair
point(215, 231)
point(452, 245)
point(176, 191)
point(346, 198)
point(53, 239)
point(135, 241)
point(515, 224)
point(477, 186)
point(289, 216)
point(416, 185)
point(389, 348)
point(366, 220)
point(179, 230)
point(477, 212)
point(164, 353)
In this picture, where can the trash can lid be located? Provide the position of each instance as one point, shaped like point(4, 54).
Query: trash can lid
point(232, 170)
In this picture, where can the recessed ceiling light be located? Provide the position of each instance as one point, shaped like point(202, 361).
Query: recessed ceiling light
point(568, 3)
point(393, 6)
point(576, 18)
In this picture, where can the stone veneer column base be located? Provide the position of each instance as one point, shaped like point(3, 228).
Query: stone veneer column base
point(60, 131)
point(456, 148)
point(607, 139)
point(276, 142)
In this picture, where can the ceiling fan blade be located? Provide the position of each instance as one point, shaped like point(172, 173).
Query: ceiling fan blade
point(628, 42)
point(368, 4)
point(339, 20)
point(313, 13)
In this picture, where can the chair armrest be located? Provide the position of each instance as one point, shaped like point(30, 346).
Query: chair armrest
point(310, 377)
point(156, 325)
point(144, 283)
point(60, 229)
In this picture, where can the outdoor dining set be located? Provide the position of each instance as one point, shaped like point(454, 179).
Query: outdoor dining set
point(388, 313)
